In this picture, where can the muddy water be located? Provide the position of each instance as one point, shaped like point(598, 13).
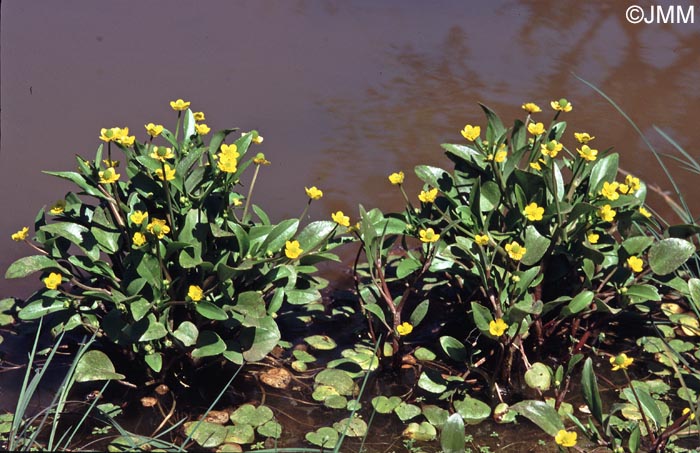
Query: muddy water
point(343, 92)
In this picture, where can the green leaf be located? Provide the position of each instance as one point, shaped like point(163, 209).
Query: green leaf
point(321, 342)
point(490, 196)
point(669, 254)
point(494, 127)
point(452, 439)
point(265, 336)
point(694, 289)
point(210, 311)
point(240, 434)
point(315, 234)
point(580, 302)
point(79, 181)
point(541, 414)
point(432, 381)
point(482, 316)
point(536, 246)
point(279, 235)
point(251, 415)
point(337, 379)
point(270, 429)
point(591, 395)
point(206, 434)
point(187, 333)
point(385, 405)
point(95, 366)
point(407, 411)
point(30, 264)
point(605, 170)
point(435, 177)
point(77, 234)
point(154, 331)
point(642, 293)
point(351, 427)
point(419, 313)
point(407, 266)
point(472, 410)
point(424, 354)
point(38, 308)
point(423, 431)
point(637, 244)
point(538, 377)
point(323, 437)
point(208, 344)
point(453, 348)
point(154, 361)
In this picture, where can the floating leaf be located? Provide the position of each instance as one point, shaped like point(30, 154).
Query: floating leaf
point(453, 348)
point(385, 405)
point(95, 366)
point(323, 437)
point(424, 354)
point(270, 429)
point(422, 432)
point(240, 434)
point(541, 414)
point(187, 333)
point(437, 416)
point(538, 377)
point(321, 342)
point(353, 427)
point(254, 416)
point(432, 382)
point(472, 410)
point(407, 411)
point(338, 379)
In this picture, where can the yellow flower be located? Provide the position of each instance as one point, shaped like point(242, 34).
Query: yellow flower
point(428, 196)
point(179, 105)
point(260, 159)
point(237, 202)
point(533, 212)
point(257, 139)
point(229, 151)
point(470, 132)
point(227, 165)
point(482, 239)
point(621, 362)
point(137, 217)
point(635, 263)
point(428, 235)
point(583, 137)
point(110, 163)
point(58, 207)
point(535, 166)
point(531, 107)
point(687, 411)
point(292, 250)
point(587, 153)
point(566, 438)
point(633, 183)
point(21, 235)
point(515, 251)
point(498, 327)
point(108, 176)
point(500, 156)
point(535, 128)
point(606, 213)
point(609, 190)
point(593, 238)
point(195, 293)
point(154, 130)
point(169, 173)
point(198, 116)
point(126, 140)
point(562, 105)
point(551, 148)
point(643, 211)
point(162, 153)
point(53, 280)
point(404, 329)
point(314, 193)
point(138, 239)
point(158, 228)
point(112, 134)
point(202, 129)
point(341, 219)
point(396, 178)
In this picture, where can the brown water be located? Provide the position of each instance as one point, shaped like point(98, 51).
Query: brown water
point(343, 92)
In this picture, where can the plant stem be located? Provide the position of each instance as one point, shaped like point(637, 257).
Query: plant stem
point(166, 185)
point(250, 192)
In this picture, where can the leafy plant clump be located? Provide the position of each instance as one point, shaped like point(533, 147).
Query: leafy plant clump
point(161, 252)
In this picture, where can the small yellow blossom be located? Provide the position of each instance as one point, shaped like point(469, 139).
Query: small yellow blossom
point(531, 107)
point(195, 293)
point(227, 165)
point(587, 153)
point(482, 239)
point(633, 183)
point(110, 163)
point(428, 196)
point(126, 140)
point(533, 212)
point(21, 235)
point(536, 128)
point(229, 151)
point(179, 105)
point(515, 251)
point(202, 129)
point(551, 148)
point(112, 134)
point(687, 411)
point(583, 137)
point(404, 329)
point(137, 217)
point(162, 153)
point(198, 116)
point(635, 263)
point(500, 156)
point(158, 228)
point(138, 239)
point(609, 190)
point(498, 327)
point(169, 173)
point(259, 159)
point(237, 202)
point(535, 166)
point(257, 139)
point(593, 238)
point(566, 438)
point(108, 176)
point(396, 178)
point(314, 193)
point(154, 130)
point(470, 132)
point(53, 280)
point(621, 362)
point(341, 219)
point(606, 213)
point(58, 207)
point(562, 105)
point(292, 250)
point(428, 235)
point(643, 211)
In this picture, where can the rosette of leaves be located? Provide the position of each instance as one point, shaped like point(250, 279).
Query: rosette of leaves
point(132, 278)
